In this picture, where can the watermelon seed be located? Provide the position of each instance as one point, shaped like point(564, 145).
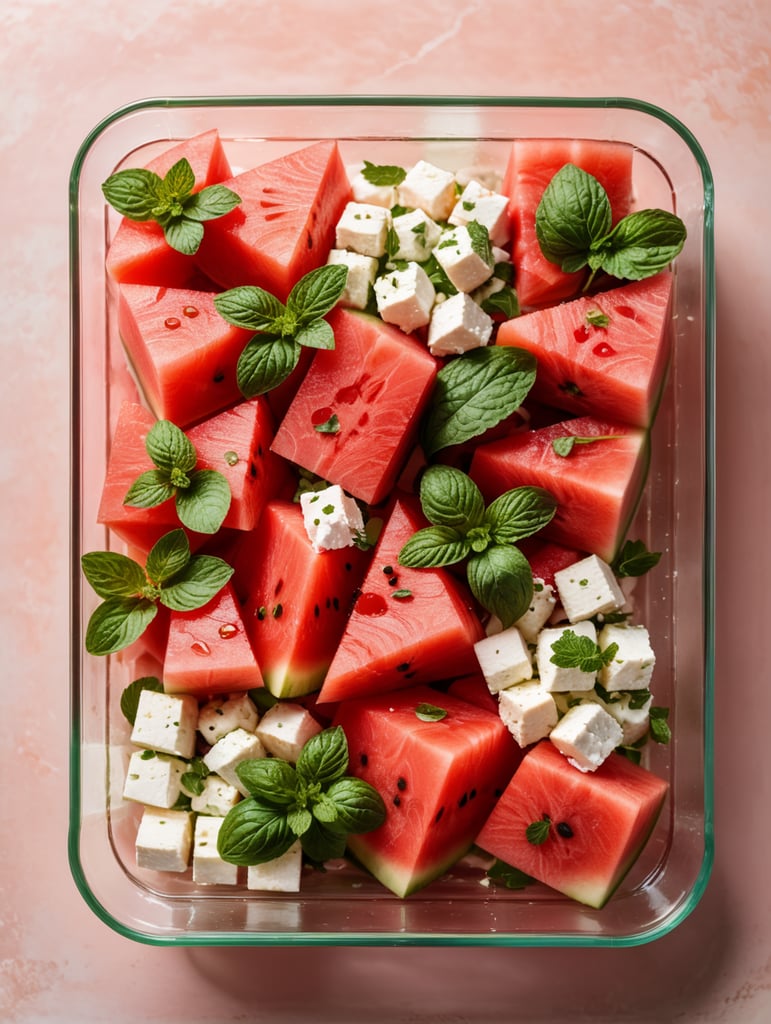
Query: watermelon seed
point(261, 612)
point(253, 470)
point(463, 800)
point(316, 611)
point(218, 377)
point(363, 759)
point(393, 580)
point(388, 570)
point(472, 794)
point(401, 783)
point(278, 611)
point(277, 588)
point(403, 667)
point(336, 603)
point(397, 800)
point(571, 388)
point(565, 830)
point(439, 814)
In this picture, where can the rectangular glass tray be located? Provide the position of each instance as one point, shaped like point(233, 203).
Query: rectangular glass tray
point(344, 907)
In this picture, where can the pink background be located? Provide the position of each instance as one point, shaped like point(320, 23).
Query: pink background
point(63, 66)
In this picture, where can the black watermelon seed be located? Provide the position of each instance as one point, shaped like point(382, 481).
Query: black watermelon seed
point(363, 759)
point(259, 450)
point(348, 567)
point(439, 814)
point(397, 800)
point(401, 783)
point(388, 570)
point(409, 675)
point(463, 800)
point(393, 580)
point(472, 794)
point(316, 610)
point(218, 377)
point(403, 667)
point(565, 830)
point(336, 603)
point(252, 470)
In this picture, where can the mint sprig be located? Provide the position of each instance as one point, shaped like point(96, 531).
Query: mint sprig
point(383, 174)
point(573, 651)
point(171, 577)
point(634, 559)
point(202, 496)
point(142, 195)
point(573, 225)
point(462, 527)
point(281, 329)
point(315, 801)
point(564, 445)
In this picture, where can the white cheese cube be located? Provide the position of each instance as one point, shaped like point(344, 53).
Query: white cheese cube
point(528, 711)
point(363, 227)
point(154, 778)
point(221, 715)
point(634, 721)
point(166, 722)
point(279, 875)
point(486, 207)
point(586, 736)
point(588, 587)
point(633, 663)
point(539, 612)
point(208, 867)
point(457, 325)
point(405, 297)
point(364, 191)
point(417, 235)
point(554, 677)
point(361, 275)
point(216, 797)
point(164, 839)
point(332, 519)
point(227, 753)
point(504, 659)
point(285, 729)
point(467, 263)
point(428, 188)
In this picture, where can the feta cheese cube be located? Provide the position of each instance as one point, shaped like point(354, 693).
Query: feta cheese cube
point(363, 227)
point(227, 753)
point(540, 610)
point(164, 839)
point(166, 722)
point(586, 736)
point(361, 276)
point(417, 235)
point(405, 297)
point(528, 711)
point(588, 587)
point(285, 729)
point(332, 519)
point(634, 721)
point(216, 797)
point(221, 715)
point(632, 666)
point(457, 325)
point(467, 263)
point(364, 191)
point(429, 188)
point(504, 659)
point(208, 867)
point(554, 677)
point(154, 778)
point(486, 207)
point(279, 875)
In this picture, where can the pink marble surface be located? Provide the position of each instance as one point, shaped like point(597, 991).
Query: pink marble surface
point(64, 66)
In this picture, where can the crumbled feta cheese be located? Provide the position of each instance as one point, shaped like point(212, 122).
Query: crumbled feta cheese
point(504, 659)
point(221, 715)
point(537, 615)
point(163, 839)
point(208, 867)
point(632, 666)
point(286, 728)
point(361, 276)
point(586, 736)
point(405, 297)
point(457, 325)
point(588, 587)
point(154, 778)
point(279, 875)
point(428, 188)
point(486, 207)
point(417, 235)
point(166, 722)
point(364, 191)
point(554, 677)
point(332, 519)
point(528, 711)
point(461, 259)
point(227, 753)
point(215, 798)
point(363, 227)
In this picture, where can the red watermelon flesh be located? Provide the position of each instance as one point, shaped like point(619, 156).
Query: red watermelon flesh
point(599, 822)
point(616, 370)
point(295, 600)
point(547, 557)
point(377, 381)
point(439, 780)
point(597, 486)
point(475, 690)
point(208, 650)
point(138, 252)
point(174, 336)
point(391, 641)
point(532, 164)
point(285, 224)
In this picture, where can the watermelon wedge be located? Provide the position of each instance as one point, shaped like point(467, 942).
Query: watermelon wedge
point(597, 822)
point(604, 354)
point(597, 486)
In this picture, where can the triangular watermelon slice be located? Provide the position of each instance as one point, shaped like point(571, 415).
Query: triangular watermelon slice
point(284, 225)
point(604, 354)
point(138, 252)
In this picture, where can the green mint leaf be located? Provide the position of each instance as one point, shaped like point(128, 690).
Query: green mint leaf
point(392, 243)
point(596, 318)
point(430, 712)
point(183, 235)
point(501, 580)
point(271, 779)
point(324, 758)
point(133, 193)
point(358, 805)
point(203, 505)
point(511, 878)
point(383, 174)
point(129, 698)
point(520, 513)
point(324, 810)
point(253, 833)
point(113, 575)
point(537, 832)
point(433, 547)
point(437, 275)
point(480, 242)
point(606, 696)
point(210, 203)
point(504, 301)
point(574, 651)
point(401, 594)
point(265, 363)
point(149, 490)
point(179, 181)
point(316, 334)
point(330, 426)
point(169, 447)
point(321, 842)
point(659, 727)
point(299, 820)
point(168, 556)
point(201, 579)
point(316, 293)
point(564, 445)
point(574, 212)
point(634, 559)
point(250, 307)
point(449, 497)
point(474, 392)
point(642, 244)
point(118, 622)
point(638, 699)
point(193, 779)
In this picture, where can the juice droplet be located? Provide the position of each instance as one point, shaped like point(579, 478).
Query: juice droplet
point(371, 604)
point(603, 349)
point(172, 322)
point(190, 311)
point(321, 416)
point(228, 630)
point(231, 458)
point(199, 647)
point(581, 334)
point(626, 311)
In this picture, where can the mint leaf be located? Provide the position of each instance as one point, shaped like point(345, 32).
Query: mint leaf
point(474, 392)
point(564, 445)
point(501, 580)
point(133, 193)
point(358, 805)
point(118, 622)
point(574, 212)
point(383, 174)
point(183, 235)
point(149, 490)
point(437, 275)
point(322, 842)
point(480, 242)
point(537, 832)
point(129, 698)
point(254, 833)
point(519, 513)
point(634, 559)
point(271, 779)
point(450, 497)
point(324, 758)
point(178, 183)
point(249, 307)
point(330, 426)
point(508, 876)
point(210, 203)
point(316, 293)
point(504, 301)
point(169, 447)
point(201, 580)
point(659, 727)
point(113, 575)
point(434, 546)
point(204, 503)
point(574, 651)
point(168, 556)
point(642, 244)
point(429, 712)
point(596, 318)
point(317, 334)
point(265, 363)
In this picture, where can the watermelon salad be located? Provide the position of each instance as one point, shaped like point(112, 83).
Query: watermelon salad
point(370, 514)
